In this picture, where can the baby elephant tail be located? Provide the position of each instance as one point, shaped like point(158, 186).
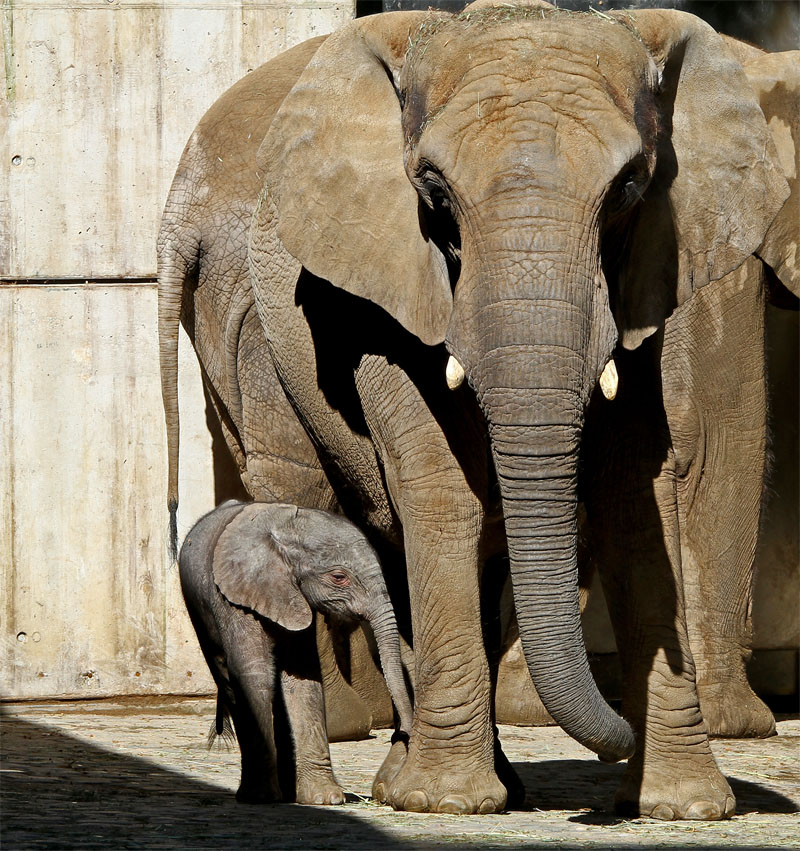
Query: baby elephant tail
point(222, 726)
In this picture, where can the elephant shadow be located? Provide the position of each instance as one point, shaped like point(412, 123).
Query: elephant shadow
point(551, 785)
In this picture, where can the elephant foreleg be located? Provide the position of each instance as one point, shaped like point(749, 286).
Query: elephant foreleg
point(631, 506)
point(715, 392)
point(450, 766)
point(251, 668)
point(301, 688)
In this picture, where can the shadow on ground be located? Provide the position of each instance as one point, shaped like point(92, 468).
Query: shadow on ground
point(59, 792)
point(551, 786)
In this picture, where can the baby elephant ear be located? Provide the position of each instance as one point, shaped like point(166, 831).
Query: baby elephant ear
point(251, 570)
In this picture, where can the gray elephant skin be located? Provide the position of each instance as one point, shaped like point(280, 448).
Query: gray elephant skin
point(464, 188)
point(252, 576)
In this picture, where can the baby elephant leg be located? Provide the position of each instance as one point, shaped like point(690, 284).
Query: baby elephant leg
point(301, 686)
point(251, 669)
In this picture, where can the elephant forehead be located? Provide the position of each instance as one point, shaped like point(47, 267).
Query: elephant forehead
point(558, 58)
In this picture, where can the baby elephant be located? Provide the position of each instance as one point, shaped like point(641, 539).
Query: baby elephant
point(252, 576)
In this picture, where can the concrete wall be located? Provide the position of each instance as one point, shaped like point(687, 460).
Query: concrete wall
point(90, 603)
point(98, 99)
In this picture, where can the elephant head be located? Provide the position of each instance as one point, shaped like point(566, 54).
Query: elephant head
point(282, 562)
point(529, 186)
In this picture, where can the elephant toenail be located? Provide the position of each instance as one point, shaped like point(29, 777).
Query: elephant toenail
point(730, 806)
point(487, 806)
point(703, 811)
point(379, 793)
point(416, 802)
point(663, 812)
point(456, 805)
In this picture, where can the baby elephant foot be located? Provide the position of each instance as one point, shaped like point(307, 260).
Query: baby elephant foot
point(440, 790)
point(321, 791)
point(669, 792)
point(388, 771)
point(732, 710)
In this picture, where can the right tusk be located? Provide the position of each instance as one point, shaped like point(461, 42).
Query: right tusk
point(609, 380)
point(454, 373)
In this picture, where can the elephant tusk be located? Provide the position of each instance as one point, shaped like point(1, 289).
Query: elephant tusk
point(454, 373)
point(609, 380)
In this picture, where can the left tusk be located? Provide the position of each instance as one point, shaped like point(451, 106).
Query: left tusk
point(609, 380)
point(454, 373)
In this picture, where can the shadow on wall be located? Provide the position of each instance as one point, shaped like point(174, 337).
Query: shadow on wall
point(62, 793)
point(227, 479)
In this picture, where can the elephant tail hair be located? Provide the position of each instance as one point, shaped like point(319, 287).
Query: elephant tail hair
point(173, 529)
point(222, 727)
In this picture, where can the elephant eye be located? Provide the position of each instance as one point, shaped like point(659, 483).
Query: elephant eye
point(432, 188)
point(339, 577)
point(629, 187)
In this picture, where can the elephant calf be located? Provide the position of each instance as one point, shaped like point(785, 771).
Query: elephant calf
point(252, 576)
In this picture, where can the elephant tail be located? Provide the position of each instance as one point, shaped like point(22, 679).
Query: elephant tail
point(221, 727)
point(177, 267)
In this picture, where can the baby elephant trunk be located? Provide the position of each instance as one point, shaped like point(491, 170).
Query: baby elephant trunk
point(384, 626)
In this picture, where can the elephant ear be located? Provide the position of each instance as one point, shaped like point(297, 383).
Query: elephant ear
point(251, 570)
point(333, 164)
point(718, 184)
point(775, 77)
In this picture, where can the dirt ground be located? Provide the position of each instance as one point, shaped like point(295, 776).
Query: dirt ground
point(102, 774)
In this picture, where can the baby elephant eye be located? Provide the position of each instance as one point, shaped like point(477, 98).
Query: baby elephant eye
point(339, 577)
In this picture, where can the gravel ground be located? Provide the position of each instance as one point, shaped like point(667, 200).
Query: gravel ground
point(138, 775)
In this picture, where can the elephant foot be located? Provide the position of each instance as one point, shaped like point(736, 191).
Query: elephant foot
point(688, 788)
point(434, 788)
point(515, 789)
point(388, 771)
point(732, 710)
point(320, 791)
point(516, 699)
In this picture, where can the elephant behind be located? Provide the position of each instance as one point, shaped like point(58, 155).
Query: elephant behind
point(204, 283)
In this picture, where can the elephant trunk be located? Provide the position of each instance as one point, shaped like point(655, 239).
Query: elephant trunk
point(538, 487)
point(533, 371)
point(384, 626)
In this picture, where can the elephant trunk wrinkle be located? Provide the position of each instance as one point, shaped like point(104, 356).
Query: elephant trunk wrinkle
point(539, 491)
point(382, 620)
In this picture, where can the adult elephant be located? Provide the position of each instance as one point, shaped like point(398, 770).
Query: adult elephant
point(203, 280)
point(514, 194)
